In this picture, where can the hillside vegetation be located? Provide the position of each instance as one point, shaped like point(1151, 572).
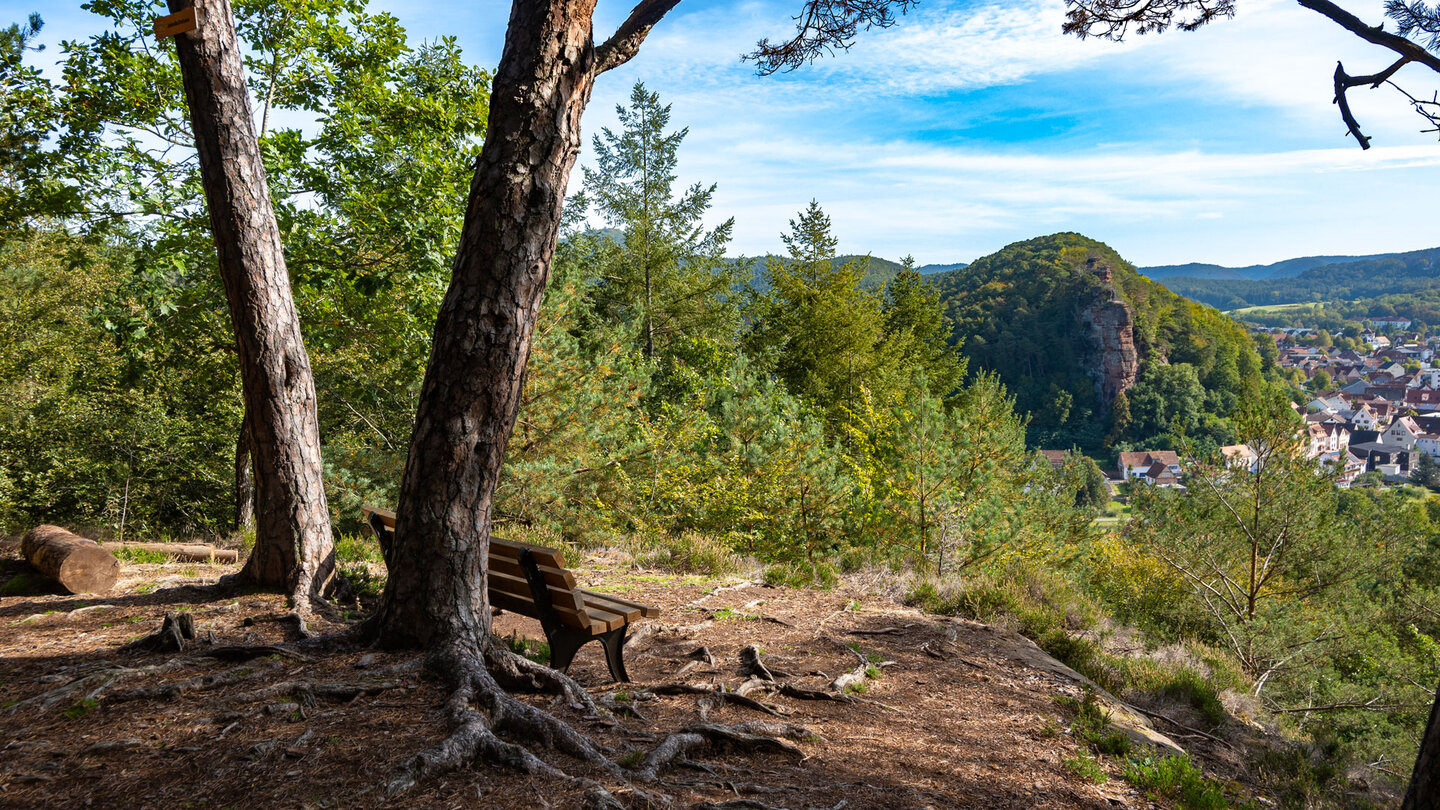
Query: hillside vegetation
point(1287, 268)
point(1017, 312)
point(1398, 273)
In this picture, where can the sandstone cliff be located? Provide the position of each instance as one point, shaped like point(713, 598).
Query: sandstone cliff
point(1111, 361)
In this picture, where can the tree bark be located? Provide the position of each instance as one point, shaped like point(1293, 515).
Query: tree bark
point(293, 547)
point(436, 591)
point(1424, 790)
point(80, 565)
point(244, 482)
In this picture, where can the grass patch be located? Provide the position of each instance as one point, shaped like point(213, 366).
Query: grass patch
point(1302, 777)
point(631, 759)
point(688, 554)
point(537, 651)
point(858, 688)
point(1177, 779)
point(818, 574)
point(79, 710)
point(726, 614)
point(24, 584)
point(140, 556)
point(1087, 767)
point(1092, 725)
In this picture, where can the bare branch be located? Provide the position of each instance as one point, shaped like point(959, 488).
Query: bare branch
point(821, 27)
point(1113, 19)
point(1374, 34)
point(622, 46)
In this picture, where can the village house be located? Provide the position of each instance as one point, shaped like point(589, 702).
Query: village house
point(1326, 438)
point(1156, 468)
point(1403, 432)
point(1348, 466)
point(1423, 399)
point(1241, 457)
point(1057, 458)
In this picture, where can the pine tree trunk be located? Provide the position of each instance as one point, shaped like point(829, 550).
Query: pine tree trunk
point(436, 591)
point(244, 482)
point(1424, 791)
point(293, 547)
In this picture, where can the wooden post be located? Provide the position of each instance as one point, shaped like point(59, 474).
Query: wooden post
point(80, 565)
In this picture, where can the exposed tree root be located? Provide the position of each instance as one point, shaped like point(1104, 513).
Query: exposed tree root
point(246, 652)
point(749, 737)
point(716, 693)
point(473, 735)
point(199, 683)
point(801, 693)
point(751, 665)
point(308, 692)
point(294, 620)
point(514, 671)
point(735, 804)
point(97, 685)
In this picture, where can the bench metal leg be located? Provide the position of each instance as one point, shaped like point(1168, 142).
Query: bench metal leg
point(563, 647)
point(564, 643)
point(614, 644)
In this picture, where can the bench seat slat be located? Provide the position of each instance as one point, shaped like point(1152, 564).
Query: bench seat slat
point(509, 549)
point(607, 614)
point(595, 602)
point(564, 599)
point(554, 577)
point(646, 611)
point(525, 606)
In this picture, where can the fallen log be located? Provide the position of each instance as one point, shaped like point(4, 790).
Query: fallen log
point(184, 552)
point(78, 564)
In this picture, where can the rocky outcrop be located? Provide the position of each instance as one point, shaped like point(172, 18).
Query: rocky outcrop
point(1111, 361)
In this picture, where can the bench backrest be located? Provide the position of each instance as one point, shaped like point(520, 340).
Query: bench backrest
point(509, 589)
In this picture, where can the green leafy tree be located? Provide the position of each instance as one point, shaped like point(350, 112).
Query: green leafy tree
point(668, 273)
point(1166, 399)
point(1088, 482)
point(369, 199)
point(916, 332)
point(1426, 472)
point(820, 325)
point(1262, 552)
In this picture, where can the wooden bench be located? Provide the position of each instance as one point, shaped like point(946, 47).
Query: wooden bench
point(532, 581)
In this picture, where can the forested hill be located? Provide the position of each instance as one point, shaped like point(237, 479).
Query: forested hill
point(1390, 274)
point(1289, 268)
point(878, 272)
point(1043, 316)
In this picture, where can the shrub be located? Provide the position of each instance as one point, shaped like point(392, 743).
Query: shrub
point(357, 548)
point(365, 583)
point(1175, 778)
point(689, 554)
point(803, 574)
point(535, 650)
point(1087, 768)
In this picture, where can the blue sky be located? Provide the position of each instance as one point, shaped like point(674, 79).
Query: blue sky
point(970, 125)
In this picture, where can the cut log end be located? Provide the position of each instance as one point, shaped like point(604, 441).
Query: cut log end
point(78, 564)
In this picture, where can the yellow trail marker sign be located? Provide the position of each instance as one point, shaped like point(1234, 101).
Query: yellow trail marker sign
point(177, 23)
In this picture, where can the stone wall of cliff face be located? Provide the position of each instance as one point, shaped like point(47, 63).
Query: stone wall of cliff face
point(1111, 361)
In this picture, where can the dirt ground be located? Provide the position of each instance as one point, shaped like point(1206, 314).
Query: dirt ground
point(959, 719)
